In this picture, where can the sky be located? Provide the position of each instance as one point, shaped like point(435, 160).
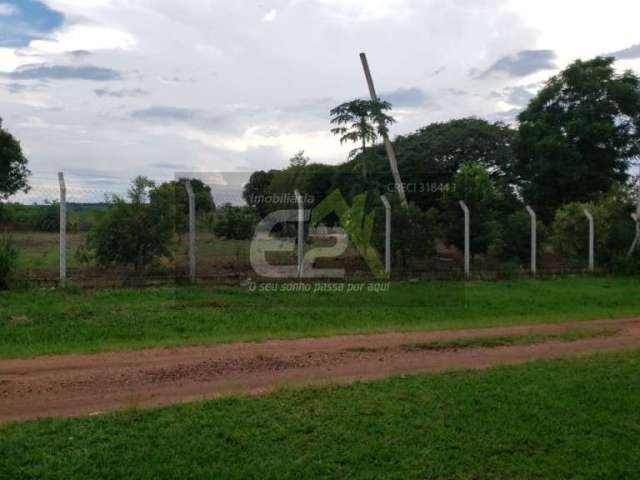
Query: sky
point(109, 89)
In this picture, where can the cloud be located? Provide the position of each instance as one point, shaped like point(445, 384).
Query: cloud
point(6, 9)
point(159, 113)
point(407, 97)
point(523, 63)
point(64, 72)
point(122, 93)
point(270, 16)
point(15, 87)
point(79, 53)
point(627, 53)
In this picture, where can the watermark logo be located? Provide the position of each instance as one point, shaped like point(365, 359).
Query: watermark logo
point(356, 226)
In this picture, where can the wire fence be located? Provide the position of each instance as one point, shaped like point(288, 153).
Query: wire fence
point(52, 227)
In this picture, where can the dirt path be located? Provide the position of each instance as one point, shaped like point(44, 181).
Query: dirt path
point(74, 385)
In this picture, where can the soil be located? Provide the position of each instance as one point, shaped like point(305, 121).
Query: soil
point(90, 384)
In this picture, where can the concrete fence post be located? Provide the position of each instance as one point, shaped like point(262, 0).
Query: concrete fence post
point(192, 232)
point(636, 239)
point(587, 213)
point(387, 235)
point(467, 241)
point(63, 229)
point(534, 240)
point(300, 233)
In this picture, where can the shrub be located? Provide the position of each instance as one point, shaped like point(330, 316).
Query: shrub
point(413, 231)
point(8, 262)
point(235, 223)
point(133, 233)
point(473, 185)
point(514, 238)
point(48, 218)
point(614, 229)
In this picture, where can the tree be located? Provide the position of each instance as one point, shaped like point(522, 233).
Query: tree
point(614, 229)
point(431, 156)
point(256, 190)
point(473, 185)
point(354, 123)
point(175, 193)
point(134, 233)
point(299, 160)
point(577, 135)
point(235, 223)
point(13, 166)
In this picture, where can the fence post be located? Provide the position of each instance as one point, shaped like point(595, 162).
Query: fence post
point(534, 240)
point(192, 232)
point(63, 229)
point(300, 233)
point(636, 239)
point(467, 243)
point(387, 235)
point(591, 239)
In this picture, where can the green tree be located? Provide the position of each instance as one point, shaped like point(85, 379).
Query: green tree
point(577, 134)
point(614, 229)
point(175, 193)
point(136, 232)
point(472, 184)
point(235, 223)
point(361, 121)
point(13, 166)
point(256, 190)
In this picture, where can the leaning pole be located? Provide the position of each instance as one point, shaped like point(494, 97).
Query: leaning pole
point(391, 154)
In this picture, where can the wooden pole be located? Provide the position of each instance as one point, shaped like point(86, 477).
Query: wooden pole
point(391, 154)
point(534, 240)
point(192, 232)
point(63, 229)
point(387, 235)
point(467, 240)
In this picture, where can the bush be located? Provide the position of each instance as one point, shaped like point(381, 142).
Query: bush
point(413, 232)
point(8, 262)
point(133, 233)
point(48, 218)
point(473, 185)
point(235, 223)
point(614, 229)
point(514, 238)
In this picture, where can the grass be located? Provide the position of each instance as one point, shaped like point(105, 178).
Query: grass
point(504, 341)
point(544, 420)
point(42, 322)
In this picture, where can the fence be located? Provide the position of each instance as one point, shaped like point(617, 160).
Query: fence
point(54, 248)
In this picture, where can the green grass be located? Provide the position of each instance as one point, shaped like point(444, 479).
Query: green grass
point(503, 341)
point(41, 322)
point(545, 420)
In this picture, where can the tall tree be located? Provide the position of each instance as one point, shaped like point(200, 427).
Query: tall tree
point(13, 166)
point(577, 135)
point(361, 121)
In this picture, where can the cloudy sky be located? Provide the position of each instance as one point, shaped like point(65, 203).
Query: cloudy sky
point(108, 89)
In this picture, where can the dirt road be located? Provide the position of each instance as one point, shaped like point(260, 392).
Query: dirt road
point(75, 385)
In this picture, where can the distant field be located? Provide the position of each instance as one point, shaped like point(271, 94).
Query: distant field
point(556, 420)
point(39, 322)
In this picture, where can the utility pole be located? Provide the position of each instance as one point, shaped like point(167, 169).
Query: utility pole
point(391, 154)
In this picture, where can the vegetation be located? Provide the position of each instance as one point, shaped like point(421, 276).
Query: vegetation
point(8, 261)
point(235, 223)
point(361, 121)
point(134, 233)
point(577, 135)
point(63, 321)
point(505, 341)
point(557, 419)
point(13, 166)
